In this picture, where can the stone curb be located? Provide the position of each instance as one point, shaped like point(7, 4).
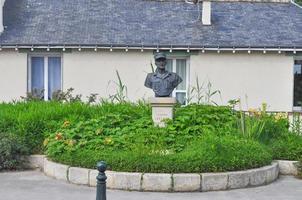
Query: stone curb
point(288, 167)
point(167, 182)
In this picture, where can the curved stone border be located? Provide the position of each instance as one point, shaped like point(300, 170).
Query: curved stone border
point(166, 182)
point(288, 167)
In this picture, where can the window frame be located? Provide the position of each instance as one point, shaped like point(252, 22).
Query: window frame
point(187, 58)
point(295, 108)
point(45, 57)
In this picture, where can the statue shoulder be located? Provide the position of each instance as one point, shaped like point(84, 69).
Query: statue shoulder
point(174, 74)
point(149, 75)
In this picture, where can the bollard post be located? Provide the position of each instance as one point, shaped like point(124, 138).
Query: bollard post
point(101, 181)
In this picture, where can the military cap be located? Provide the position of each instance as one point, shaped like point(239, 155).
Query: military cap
point(160, 55)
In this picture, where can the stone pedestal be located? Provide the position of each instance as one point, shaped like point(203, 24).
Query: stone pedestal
point(162, 108)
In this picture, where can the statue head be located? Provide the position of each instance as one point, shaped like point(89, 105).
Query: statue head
point(160, 60)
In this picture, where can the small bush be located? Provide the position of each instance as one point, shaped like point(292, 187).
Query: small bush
point(288, 147)
point(197, 119)
point(208, 154)
point(11, 152)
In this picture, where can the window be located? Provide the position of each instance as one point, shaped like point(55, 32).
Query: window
point(44, 75)
point(179, 66)
point(298, 83)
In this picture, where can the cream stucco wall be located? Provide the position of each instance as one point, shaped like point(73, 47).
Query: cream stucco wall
point(255, 78)
point(259, 77)
point(95, 72)
point(13, 75)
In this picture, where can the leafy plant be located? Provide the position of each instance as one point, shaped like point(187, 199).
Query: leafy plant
point(35, 95)
point(120, 95)
point(287, 147)
point(296, 125)
point(11, 152)
point(251, 127)
point(203, 93)
point(92, 98)
point(67, 96)
point(206, 154)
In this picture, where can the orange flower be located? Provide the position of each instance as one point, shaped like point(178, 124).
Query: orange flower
point(58, 136)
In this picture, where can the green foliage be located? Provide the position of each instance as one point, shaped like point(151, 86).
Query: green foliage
point(194, 120)
point(11, 152)
point(261, 126)
point(209, 153)
point(288, 147)
point(123, 133)
point(67, 96)
point(299, 2)
point(201, 138)
point(30, 121)
point(203, 93)
point(296, 125)
point(120, 95)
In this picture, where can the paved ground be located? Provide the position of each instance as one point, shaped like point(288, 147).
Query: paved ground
point(33, 185)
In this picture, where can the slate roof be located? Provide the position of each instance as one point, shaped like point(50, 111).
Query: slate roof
point(150, 23)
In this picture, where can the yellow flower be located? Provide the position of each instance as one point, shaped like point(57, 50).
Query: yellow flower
point(108, 140)
point(45, 142)
point(99, 131)
point(264, 107)
point(254, 112)
point(280, 116)
point(66, 123)
point(71, 143)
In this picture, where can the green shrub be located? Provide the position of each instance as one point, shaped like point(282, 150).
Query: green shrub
point(11, 152)
point(208, 154)
point(261, 126)
point(29, 121)
point(197, 119)
point(288, 147)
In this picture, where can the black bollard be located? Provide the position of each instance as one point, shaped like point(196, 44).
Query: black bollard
point(101, 181)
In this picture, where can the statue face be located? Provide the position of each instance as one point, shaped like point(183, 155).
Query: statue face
point(161, 63)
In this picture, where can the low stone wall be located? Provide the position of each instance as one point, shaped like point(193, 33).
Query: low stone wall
point(161, 182)
point(288, 167)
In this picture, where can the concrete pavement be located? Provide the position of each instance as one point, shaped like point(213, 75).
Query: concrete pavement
point(34, 185)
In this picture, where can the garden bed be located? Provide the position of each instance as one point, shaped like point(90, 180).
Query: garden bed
point(201, 138)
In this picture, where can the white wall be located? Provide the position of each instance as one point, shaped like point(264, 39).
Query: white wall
point(94, 72)
point(13, 75)
point(262, 78)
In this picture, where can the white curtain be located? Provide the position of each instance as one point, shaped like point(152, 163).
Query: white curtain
point(181, 70)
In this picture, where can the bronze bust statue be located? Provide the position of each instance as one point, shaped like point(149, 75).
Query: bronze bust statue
point(162, 82)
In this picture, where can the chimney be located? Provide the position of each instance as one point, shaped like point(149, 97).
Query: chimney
point(206, 12)
point(1, 16)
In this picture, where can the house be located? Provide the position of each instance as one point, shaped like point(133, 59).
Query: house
point(249, 49)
